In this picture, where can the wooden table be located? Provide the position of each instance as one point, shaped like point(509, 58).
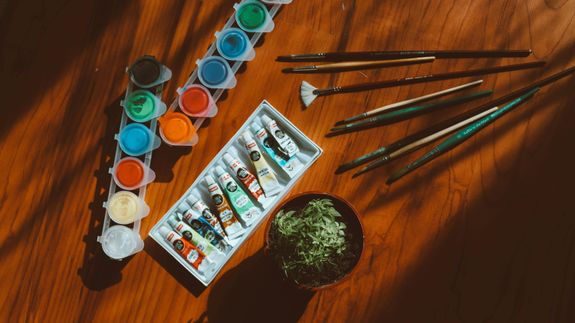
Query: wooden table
point(486, 232)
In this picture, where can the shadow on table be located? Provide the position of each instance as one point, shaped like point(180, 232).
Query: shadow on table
point(254, 292)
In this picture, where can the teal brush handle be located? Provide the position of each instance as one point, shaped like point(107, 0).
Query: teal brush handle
point(459, 137)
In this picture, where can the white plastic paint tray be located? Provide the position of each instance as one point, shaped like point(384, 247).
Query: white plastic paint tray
point(309, 153)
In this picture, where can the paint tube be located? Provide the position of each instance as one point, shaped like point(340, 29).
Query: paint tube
point(240, 201)
point(188, 251)
point(288, 146)
point(203, 227)
point(290, 165)
point(195, 238)
point(230, 223)
point(199, 206)
point(266, 177)
point(246, 177)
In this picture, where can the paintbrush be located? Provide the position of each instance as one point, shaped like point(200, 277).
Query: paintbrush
point(449, 122)
point(408, 102)
point(458, 138)
point(406, 113)
point(375, 55)
point(309, 93)
point(420, 143)
point(357, 65)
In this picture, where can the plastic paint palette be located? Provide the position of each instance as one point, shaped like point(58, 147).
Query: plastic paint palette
point(217, 68)
point(308, 154)
point(131, 172)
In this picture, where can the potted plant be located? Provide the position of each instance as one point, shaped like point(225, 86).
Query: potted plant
point(316, 239)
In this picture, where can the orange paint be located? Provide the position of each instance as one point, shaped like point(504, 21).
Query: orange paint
point(176, 127)
point(194, 101)
point(129, 173)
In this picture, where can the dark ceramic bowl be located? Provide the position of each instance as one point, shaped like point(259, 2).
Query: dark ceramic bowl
point(350, 217)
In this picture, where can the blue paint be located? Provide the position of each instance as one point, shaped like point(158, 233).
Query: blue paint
point(135, 139)
point(232, 43)
point(214, 71)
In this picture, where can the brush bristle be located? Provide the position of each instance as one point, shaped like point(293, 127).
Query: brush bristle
point(306, 92)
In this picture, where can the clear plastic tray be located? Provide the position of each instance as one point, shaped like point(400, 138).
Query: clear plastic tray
point(309, 153)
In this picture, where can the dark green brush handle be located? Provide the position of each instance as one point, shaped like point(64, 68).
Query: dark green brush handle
point(459, 137)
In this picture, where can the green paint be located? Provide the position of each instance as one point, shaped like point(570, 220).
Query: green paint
point(140, 106)
point(251, 15)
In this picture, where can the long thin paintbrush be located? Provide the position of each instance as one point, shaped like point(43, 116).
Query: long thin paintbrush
point(375, 55)
point(357, 65)
point(409, 102)
point(420, 143)
point(458, 118)
point(406, 113)
point(458, 138)
point(309, 93)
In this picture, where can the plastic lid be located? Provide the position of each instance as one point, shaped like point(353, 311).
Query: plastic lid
point(247, 137)
point(140, 106)
point(220, 171)
point(164, 232)
point(266, 119)
point(182, 208)
point(118, 242)
point(173, 221)
point(135, 139)
point(129, 172)
point(228, 158)
point(255, 126)
point(209, 180)
point(195, 100)
point(192, 199)
point(146, 70)
point(123, 207)
point(176, 127)
point(233, 43)
point(252, 15)
point(213, 71)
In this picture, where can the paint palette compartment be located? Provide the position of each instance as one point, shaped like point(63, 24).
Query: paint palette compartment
point(309, 152)
point(233, 61)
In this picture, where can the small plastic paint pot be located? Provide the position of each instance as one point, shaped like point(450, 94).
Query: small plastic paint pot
point(119, 242)
point(214, 72)
point(253, 16)
point(234, 45)
point(131, 173)
point(136, 139)
point(277, 1)
point(176, 129)
point(147, 72)
point(143, 105)
point(125, 207)
point(197, 101)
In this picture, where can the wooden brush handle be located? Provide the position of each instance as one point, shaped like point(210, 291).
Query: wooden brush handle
point(372, 64)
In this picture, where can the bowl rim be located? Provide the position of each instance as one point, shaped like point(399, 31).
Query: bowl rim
point(281, 205)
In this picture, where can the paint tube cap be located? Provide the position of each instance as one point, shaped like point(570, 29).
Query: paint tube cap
point(182, 208)
point(266, 119)
point(247, 137)
point(164, 232)
point(228, 158)
point(255, 126)
point(209, 180)
point(192, 199)
point(173, 221)
point(220, 171)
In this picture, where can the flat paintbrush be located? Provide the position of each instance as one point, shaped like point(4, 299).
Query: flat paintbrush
point(375, 55)
point(458, 138)
point(406, 113)
point(409, 102)
point(449, 122)
point(309, 93)
point(420, 143)
point(357, 65)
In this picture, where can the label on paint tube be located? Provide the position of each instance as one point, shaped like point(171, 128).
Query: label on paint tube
point(199, 206)
point(248, 179)
point(290, 165)
point(188, 251)
point(195, 238)
point(285, 142)
point(230, 223)
point(201, 226)
point(266, 177)
point(240, 201)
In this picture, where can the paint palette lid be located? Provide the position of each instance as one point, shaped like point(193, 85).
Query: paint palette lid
point(196, 101)
point(119, 242)
point(253, 16)
point(214, 72)
point(135, 140)
point(147, 72)
point(234, 45)
point(177, 129)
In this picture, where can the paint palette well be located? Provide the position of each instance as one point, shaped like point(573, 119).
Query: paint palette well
point(309, 152)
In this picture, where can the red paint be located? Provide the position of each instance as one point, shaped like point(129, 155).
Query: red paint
point(194, 101)
point(129, 173)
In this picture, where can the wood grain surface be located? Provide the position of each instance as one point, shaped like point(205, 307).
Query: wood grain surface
point(485, 233)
